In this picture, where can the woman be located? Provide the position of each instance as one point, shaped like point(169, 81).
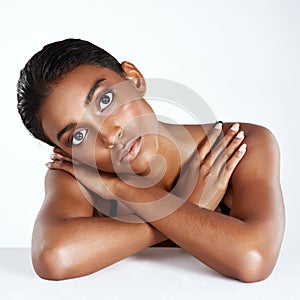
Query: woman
point(121, 181)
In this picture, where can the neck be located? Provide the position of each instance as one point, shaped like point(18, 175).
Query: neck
point(175, 148)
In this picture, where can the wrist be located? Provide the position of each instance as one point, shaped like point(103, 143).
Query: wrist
point(150, 204)
point(134, 193)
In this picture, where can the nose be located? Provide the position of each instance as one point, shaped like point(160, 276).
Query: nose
point(108, 129)
point(112, 136)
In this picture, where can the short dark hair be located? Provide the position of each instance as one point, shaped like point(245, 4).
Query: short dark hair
point(49, 65)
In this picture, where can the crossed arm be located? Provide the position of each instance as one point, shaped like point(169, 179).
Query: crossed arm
point(69, 242)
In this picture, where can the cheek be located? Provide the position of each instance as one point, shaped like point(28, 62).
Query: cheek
point(100, 160)
point(140, 115)
point(90, 151)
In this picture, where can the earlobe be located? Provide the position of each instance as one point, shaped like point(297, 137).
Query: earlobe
point(133, 74)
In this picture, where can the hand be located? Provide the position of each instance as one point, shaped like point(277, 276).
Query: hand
point(100, 183)
point(205, 179)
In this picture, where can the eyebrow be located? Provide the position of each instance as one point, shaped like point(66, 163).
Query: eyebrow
point(92, 91)
point(65, 129)
point(86, 103)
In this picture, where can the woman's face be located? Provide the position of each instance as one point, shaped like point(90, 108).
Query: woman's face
point(101, 119)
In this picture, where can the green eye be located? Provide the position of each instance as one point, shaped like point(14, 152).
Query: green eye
point(78, 137)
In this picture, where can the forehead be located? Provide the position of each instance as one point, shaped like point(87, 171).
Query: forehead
point(82, 76)
point(65, 103)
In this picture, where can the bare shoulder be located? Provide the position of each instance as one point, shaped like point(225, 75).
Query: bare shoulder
point(258, 138)
point(262, 160)
point(258, 132)
point(256, 180)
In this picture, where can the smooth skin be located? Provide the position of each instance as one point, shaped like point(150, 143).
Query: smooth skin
point(70, 239)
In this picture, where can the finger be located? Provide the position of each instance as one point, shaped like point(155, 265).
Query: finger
point(61, 165)
point(235, 144)
point(66, 156)
point(61, 152)
point(224, 141)
point(57, 156)
point(224, 151)
point(232, 163)
point(204, 148)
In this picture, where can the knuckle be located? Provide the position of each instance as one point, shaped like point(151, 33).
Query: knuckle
point(202, 153)
point(201, 158)
point(58, 157)
point(240, 136)
point(59, 163)
point(205, 145)
point(230, 136)
point(214, 138)
point(229, 167)
point(205, 168)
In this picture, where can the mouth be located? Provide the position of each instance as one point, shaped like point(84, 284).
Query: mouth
point(131, 150)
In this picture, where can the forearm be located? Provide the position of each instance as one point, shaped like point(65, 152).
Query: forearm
point(246, 250)
point(213, 238)
point(81, 246)
point(226, 244)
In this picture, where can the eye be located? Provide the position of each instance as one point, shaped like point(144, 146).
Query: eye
point(78, 137)
point(105, 100)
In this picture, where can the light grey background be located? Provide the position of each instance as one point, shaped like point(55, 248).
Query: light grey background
point(241, 57)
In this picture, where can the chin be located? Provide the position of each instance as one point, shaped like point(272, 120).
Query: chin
point(141, 166)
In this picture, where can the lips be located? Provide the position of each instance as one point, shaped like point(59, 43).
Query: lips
point(131, 150)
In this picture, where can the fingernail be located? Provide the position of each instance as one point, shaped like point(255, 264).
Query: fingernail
point(52, 155)
point(218, 126)
point(243, 148)
point(48, 164)
point(235, 127)
point(240, 135)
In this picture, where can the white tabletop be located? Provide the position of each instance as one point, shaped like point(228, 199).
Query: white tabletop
point(155, 273)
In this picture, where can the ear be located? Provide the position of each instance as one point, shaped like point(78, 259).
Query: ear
point(133, 74)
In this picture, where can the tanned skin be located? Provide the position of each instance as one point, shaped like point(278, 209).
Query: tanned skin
point(72, 239)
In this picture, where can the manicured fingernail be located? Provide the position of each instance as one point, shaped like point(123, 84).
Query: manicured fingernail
point(218, 126)
point(235, 127)
point(243, 148)
point(48, 164)
point(240, 135)
point(52, 155)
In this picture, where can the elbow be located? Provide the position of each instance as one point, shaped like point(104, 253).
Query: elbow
point(253, 267)
point(50, 263)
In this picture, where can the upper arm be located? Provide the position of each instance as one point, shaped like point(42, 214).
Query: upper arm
point(65, 197)
point(257, 195)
